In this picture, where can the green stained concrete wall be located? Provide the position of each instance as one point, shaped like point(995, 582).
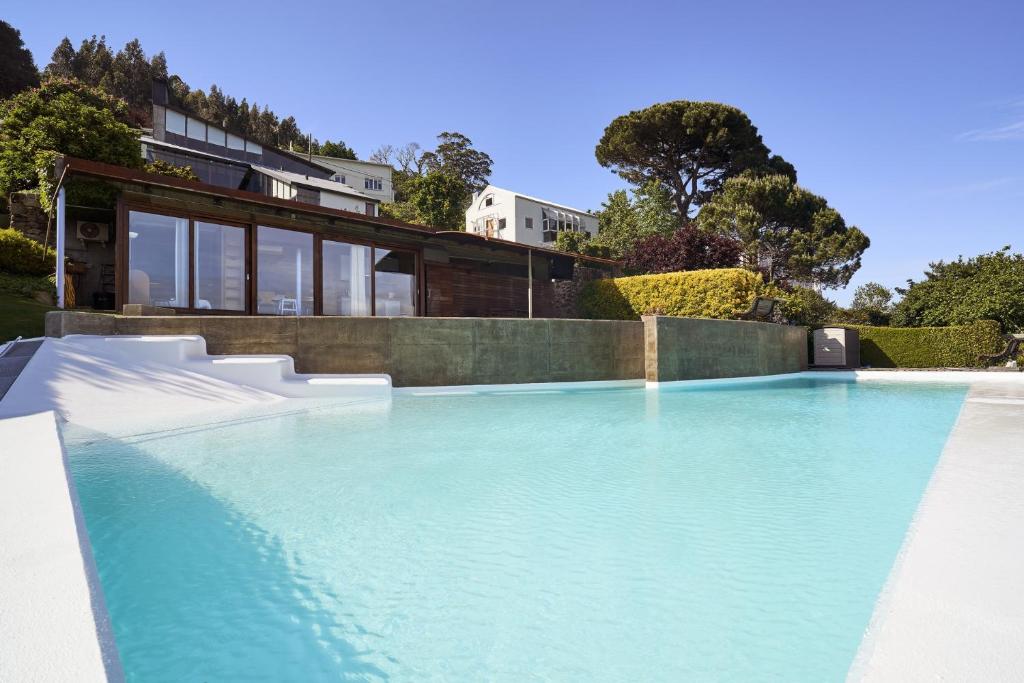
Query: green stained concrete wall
point(414, 351)
point(699, 348)
point(452, 351)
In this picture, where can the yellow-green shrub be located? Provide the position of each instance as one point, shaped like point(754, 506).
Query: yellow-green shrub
point(957, 346)
point(720, 293)
point(20, 255)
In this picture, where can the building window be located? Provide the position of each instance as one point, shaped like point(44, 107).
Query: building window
point(157, 260)
point(339, 178)
point(219, 267)
point(488, 200)
point(373, 183)
point(529, 222)
point(196, 129)
point(175, 122)
point(394, 282)
point(235, 142)
point(215, 136)
point(284, 272)
point(346, 278)
point(253, 148)
point(501, 224)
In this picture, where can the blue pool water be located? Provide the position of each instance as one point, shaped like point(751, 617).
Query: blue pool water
point(727, 533)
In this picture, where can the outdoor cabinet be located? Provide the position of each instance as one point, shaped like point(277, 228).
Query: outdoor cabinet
point(837, 347)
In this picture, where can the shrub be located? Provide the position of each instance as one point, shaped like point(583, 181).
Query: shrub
point(986, 287)
point(929, 347)
point(807, 306)
point(688, 248)
point(721, 293)
point(20, 255)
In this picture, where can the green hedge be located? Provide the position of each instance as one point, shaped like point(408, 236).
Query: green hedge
point(20, 255)
point(720, 293)
point(928, 347)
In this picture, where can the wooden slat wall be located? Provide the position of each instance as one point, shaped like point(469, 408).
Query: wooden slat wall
point(456, 292)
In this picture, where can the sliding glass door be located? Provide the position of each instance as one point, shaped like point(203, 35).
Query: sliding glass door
point(347, 278)
point(158, 262)
point(220, 273)
point(394, 282)
point(284, 272)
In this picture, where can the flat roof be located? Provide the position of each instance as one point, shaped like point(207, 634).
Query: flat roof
point(308, 181)
point(96, 169)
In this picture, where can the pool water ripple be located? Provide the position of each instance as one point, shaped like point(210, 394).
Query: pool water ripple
point(729, 533)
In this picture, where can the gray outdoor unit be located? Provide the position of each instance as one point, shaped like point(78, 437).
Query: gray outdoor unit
point(837, 347)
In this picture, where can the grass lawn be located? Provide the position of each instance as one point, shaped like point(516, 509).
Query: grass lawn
point(20, 316)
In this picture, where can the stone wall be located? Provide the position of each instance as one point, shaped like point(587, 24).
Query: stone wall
point(414, 351)
point(566, 293)
point(699, 348)
point(28, 217)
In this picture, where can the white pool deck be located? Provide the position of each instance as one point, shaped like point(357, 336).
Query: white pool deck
point(952, 609)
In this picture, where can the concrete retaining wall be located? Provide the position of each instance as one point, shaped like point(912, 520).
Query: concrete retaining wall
point(698, 348)
point(452, 351)
point(414, 351)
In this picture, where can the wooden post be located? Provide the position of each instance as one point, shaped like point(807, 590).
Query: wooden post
point(529, 283)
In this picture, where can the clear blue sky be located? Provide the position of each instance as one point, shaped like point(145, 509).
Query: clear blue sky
point(907, 116)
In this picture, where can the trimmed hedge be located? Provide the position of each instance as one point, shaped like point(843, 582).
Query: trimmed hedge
point(928, 347)
point(20, 255)
point(719, 293)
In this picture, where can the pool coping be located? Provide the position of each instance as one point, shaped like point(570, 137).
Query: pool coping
point(53, 618)
point(952, 607)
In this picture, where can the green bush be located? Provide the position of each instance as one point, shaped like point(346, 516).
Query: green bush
point(928, 347)
point(20, 255)
point(720, 293)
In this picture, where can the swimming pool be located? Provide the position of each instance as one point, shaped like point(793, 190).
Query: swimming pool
point(730, 532)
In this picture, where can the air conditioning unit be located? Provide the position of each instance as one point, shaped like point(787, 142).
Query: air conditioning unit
point(97, 232)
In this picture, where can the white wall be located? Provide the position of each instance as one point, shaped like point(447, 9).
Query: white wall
point(515, 209)
point(343, 202)
point(503, 206)
point(356, 172)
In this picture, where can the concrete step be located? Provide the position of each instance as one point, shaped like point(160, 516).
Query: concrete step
point(266, 372)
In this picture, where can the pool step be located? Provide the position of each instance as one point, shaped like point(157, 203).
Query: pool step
point(266, 372)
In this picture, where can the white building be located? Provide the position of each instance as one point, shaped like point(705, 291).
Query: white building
point(515, 217)
point(366, 177)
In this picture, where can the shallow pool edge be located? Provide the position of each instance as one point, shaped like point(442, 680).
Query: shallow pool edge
point(56, 625)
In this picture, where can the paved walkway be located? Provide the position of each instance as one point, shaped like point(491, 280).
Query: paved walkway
point(953, 609)
point(14, 361)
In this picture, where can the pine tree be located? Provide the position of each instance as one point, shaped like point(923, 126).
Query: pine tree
point(19, 70)
point(62, 61)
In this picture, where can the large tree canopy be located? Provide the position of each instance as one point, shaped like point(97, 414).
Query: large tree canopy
point(690, 148)
point(455, 155)
point(989, 286)
point(623, 221)
point(19, 70)
point(65, 117)
point(788, 232)
point(435, 187)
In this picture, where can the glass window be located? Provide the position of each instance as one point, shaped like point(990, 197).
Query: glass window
point(488, 201)
point(252, 147)
point(175, 122)
point(346, 278)
point(529, 223)
point(372, 183)
point(284, 272)
point(395, 282)
point(215, 136)
point(220, 267)
point(501, 224)
point(235, 142)
point(157, 260)
point(196, 129)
